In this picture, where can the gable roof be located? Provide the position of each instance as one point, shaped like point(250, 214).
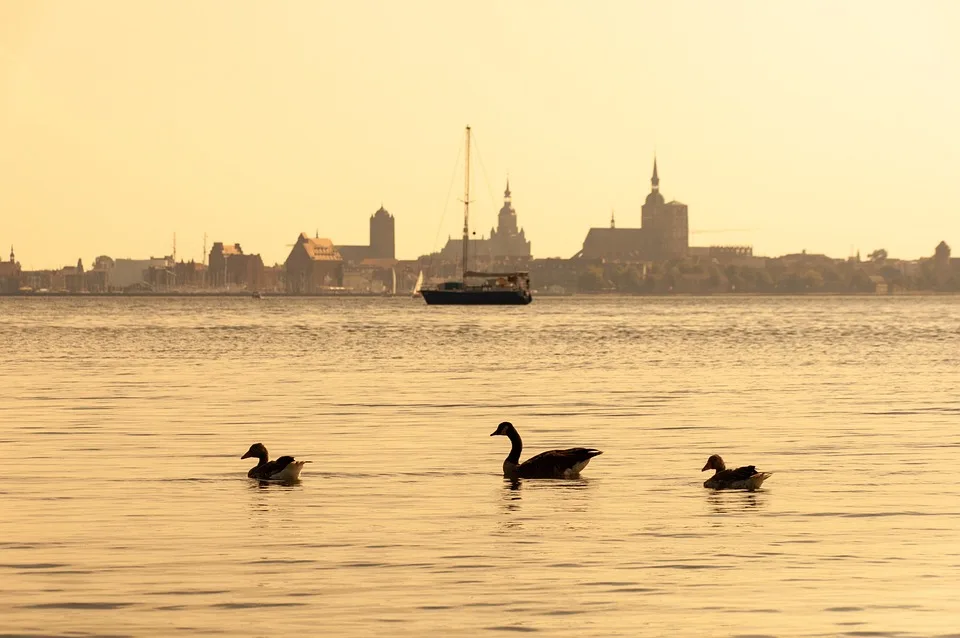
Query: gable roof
point(318, 248)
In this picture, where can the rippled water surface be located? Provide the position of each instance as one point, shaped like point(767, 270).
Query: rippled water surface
point(127, 511)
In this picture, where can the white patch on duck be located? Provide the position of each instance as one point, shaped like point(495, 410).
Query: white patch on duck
point(290, 473)
point(574, 472)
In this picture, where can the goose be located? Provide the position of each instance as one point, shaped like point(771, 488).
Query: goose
point(552, 464)
point(284, 468)
point(742, 478)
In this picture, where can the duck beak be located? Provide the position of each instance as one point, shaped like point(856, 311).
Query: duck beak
point(245, 456)
point(706, 467)
point(494, 433)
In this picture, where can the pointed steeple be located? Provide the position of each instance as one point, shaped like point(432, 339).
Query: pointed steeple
point(613, 222)
point(655, 180)
point(12, 256)
point(506, 193)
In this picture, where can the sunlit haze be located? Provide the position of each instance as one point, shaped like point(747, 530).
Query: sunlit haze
point(825, 126)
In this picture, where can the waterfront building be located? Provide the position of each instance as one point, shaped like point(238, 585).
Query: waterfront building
point(129, 273)
point(507, 243)
point(314, 264)
point(663, 234)
point(382, 240)
point(229, 266)
point(10, 275)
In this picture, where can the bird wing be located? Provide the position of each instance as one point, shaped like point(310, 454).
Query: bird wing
point(267, 470)
point(739, 474)
point(554, 462)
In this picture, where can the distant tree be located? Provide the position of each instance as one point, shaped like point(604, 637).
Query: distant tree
point(591, 280)
point(878, 256)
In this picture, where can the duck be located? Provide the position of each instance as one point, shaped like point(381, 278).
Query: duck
point(552, 464)
point(285, 468)
point(742, 478)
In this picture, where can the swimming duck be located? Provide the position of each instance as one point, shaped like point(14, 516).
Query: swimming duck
point(283, 469)
point(552, 464)
point(742, 478)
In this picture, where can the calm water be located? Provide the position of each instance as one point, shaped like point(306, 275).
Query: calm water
point(126, 509)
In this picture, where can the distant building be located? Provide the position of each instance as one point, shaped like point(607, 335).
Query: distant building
point(190, 274)
point(879, 284)
point(370, 277)
point(10, 275)
point(507, 242)
point(382, 235)
point(129, 273)
point(663, 232)
point(228, 266)
point(72, 278)
point(382, 240)
point(615, 244)
point(314, 264)
point(665, 224)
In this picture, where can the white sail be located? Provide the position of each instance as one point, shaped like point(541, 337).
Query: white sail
point(418, 285)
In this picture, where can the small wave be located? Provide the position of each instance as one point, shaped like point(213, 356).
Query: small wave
point(255, 605)
point(77, 605)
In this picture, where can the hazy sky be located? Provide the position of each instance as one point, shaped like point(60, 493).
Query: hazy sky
point(809, 125)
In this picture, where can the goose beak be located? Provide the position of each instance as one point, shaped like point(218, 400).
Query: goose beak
point(245, 456)
point(494, 433)
point(706, 467)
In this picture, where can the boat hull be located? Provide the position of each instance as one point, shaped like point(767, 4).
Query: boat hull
point(476, 297)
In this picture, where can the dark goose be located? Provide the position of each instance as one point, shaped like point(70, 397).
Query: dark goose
point(552, 464)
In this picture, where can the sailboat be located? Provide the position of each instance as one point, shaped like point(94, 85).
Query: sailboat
point(478, 288)
point(417, 286)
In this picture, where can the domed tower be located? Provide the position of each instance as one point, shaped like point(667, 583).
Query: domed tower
point(664, 224)
point(507, 219)
point(654, 201)
point(508, 240)
point(382, 237)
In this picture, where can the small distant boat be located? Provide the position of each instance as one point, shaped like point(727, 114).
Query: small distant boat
point(417, 286)
point(493, 289)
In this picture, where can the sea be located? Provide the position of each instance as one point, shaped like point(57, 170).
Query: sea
point(126, 509)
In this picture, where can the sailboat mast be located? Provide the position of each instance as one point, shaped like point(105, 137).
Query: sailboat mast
point(466, 207)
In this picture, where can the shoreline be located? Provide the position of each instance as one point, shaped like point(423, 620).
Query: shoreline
point(370, 295)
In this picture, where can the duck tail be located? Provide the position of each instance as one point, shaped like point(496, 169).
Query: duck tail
point(757, 479)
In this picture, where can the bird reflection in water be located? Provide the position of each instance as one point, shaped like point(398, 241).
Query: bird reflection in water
point(510, 495)
point(735, 502)
point(574, 496)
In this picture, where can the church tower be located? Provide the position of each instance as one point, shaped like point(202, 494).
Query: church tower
point(507, 219)
point(508, 240)
point(382, 235)
point(664, 224)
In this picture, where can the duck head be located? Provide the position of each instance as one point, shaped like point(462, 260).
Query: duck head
point(714, 463)
point(257, 451)
point(503, 429)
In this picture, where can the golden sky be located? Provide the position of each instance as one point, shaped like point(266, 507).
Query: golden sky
point(817, 125)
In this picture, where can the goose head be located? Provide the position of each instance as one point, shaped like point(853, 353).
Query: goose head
point(503, 429)
point(258, 451)
point(714, 463)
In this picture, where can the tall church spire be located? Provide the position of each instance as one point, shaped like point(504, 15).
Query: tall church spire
point(12, 256)
point(506, 193)
point(655, 180)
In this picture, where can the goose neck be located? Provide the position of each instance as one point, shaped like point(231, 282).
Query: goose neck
point(516, 446)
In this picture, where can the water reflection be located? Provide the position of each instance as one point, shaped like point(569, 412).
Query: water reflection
point(735, 502)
